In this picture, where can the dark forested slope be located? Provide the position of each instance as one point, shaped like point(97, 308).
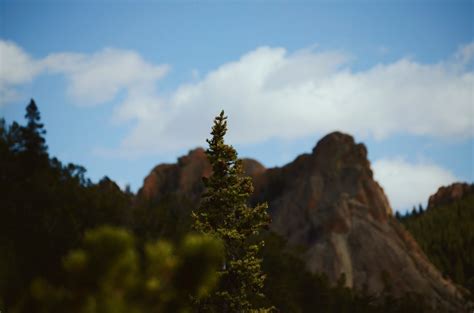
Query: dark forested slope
point(445, 231)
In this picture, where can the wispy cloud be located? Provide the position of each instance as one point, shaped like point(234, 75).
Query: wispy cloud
point(407, 184)
point(98, 78)
point(92, 79)
point(268, 92)
point(16, 68)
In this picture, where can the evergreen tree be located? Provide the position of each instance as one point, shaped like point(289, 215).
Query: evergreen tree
point(224, 213)
point(35, 144)
point(420, 209)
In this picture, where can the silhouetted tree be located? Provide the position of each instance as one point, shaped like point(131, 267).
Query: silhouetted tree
point(34, 131)
point(420, 209)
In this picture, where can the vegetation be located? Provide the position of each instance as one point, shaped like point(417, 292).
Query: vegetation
point(224, 213)
point(109, 274)
point(70, 245)
point(45, 207)
point(445, 233)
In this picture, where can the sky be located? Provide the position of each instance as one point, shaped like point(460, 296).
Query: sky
point(125, 85)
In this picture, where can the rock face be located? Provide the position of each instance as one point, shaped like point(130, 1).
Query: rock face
point(328, 203)
point(449, 194)
point(181, 178)
point(184, 178)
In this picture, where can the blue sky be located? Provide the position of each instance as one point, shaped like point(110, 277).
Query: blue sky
point(124, 86)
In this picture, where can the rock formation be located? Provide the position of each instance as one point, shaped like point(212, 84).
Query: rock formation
point(328, 203)
point(449, 194)
point(184, 178)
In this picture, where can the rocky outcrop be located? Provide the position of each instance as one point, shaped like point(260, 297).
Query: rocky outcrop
point(184, 178)
point(327, 202)
point(449, 194)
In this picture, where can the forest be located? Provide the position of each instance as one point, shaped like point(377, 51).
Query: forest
point(445, 234)
point(68, 244)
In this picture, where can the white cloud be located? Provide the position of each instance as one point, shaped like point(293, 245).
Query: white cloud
point(16, 67)
point(267, 93)
point(92, 79)
point(97, 78)
point(408, 184)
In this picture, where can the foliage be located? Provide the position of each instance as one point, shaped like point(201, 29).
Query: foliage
point(225, 213)
point(445, 233)
point(45, 207)
point(33, 133)
point(170, 218)
point(108, 274)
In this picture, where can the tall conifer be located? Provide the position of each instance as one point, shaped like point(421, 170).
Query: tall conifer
point(224, 213)
point(34, 131)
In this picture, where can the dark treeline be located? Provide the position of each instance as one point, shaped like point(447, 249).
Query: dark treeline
point(46, 206)
point(446, 235)
point(70, 245)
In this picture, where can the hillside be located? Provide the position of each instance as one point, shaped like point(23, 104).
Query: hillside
point(445, 232)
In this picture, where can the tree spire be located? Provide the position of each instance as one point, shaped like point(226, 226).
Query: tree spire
point(34, 131)
point(224, 213)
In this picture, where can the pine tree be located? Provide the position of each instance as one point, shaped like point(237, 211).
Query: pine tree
point(420, 209)
point(224, 213)
point(35, 144)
